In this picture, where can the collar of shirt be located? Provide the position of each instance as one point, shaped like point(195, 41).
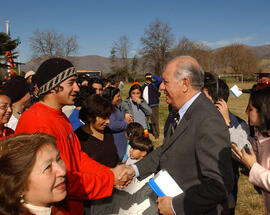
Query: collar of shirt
point(184, 108)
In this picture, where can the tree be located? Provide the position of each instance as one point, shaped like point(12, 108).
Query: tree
point(6, 46)
point(134, 66)
point(120, 50)
point(157, 41)
point(201, 52)
point(238, 59)
point(113, 60)
point(51, 43)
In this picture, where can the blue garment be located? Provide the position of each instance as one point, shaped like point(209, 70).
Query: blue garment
point(153, 93)
point(74, 119)
point(126, 154)
point(118, 127)
point(184, 108)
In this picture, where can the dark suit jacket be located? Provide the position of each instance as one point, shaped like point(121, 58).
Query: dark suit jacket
point(198, 157)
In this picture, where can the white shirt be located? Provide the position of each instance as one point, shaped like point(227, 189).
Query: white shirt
point(12, 123)
point(145, 94)
point(38, 210)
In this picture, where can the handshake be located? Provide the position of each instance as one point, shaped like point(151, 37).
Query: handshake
point(123, 175)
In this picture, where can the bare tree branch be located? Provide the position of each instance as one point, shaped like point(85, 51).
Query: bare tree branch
point(156, 42)
point(51, 43)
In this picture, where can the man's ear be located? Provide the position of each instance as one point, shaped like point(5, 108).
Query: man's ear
point(186, 84)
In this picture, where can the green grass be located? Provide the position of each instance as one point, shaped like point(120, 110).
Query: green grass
point(249, 201)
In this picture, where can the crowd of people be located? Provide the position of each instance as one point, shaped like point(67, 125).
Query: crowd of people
point(72, 145)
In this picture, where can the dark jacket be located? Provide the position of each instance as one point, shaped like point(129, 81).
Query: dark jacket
point(153, 93)
point(198, 157)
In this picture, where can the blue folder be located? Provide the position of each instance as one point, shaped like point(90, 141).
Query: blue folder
point(152, 184)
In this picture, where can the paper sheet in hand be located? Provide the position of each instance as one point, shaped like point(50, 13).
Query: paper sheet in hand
point(240, 135)
point(164, 185)
point(236, 91)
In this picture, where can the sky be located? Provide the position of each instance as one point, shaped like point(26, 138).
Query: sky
point(98, 23)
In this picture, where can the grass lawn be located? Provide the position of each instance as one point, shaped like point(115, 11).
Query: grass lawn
point(249, 202)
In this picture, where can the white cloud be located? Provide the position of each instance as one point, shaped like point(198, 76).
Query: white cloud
point(132, 53)
point(222, 43)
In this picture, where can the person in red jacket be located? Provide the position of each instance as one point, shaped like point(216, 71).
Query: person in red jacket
point(87, 179)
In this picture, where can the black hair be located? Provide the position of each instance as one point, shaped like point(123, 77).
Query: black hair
point(217, 88)
point(84, 92)
point(134, 87)
point(57, 89)
point(142, 143)
point(260, 99)
point(110, 92)
point(104, 81)
point(94, 81)
point(134, 129)
point(113, 79)
point(95, 106)
point(81, 79)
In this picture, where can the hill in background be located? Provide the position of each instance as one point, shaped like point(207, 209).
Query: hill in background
point(94, 62)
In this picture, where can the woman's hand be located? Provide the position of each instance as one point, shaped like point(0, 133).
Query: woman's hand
point(128, 118)
point(136, 100)
point(248, 159)
point(223, 109)
point(245, 158)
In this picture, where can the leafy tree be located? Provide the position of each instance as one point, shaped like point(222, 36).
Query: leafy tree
point(6, 45)
point(157, 41)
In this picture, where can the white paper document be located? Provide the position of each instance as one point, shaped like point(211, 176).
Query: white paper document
point(164, 184)
point(236, 91)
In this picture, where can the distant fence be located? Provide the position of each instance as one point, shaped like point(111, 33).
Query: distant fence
point(240, 76)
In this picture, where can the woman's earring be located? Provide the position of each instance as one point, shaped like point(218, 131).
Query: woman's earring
point(21, 199)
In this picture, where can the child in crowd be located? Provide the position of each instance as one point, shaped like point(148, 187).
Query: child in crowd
point(257, 157)
point(141, 198)
point(134, 129)
point(139, 147)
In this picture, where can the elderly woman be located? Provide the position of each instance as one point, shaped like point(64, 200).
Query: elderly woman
point(5, 114)
point(32, 175)
point(95, 138)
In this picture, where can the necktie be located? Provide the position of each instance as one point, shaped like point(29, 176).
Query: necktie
point(175, 122)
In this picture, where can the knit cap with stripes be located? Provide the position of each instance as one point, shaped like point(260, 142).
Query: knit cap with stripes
point(52, 72)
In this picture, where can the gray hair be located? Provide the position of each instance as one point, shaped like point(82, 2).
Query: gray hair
point(188, 69)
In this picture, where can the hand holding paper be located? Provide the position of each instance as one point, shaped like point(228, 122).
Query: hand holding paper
point(236, 91)
point(164, 205)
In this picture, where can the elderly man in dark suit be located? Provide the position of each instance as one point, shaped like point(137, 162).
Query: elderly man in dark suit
point(197, 154)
